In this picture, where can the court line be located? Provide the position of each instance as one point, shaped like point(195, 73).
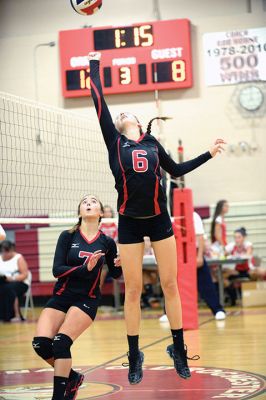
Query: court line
point(87, 371)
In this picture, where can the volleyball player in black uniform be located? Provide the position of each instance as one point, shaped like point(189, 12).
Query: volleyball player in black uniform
point(135, 159)
point(79, 256)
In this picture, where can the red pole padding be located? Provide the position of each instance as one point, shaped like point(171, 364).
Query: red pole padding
point(186, 256)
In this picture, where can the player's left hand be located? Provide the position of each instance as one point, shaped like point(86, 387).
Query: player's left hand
point(117, 261)
point(94, 258)
point(217, 147)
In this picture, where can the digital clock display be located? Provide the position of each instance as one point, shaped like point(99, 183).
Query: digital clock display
point(134, 36)
point(135, 58)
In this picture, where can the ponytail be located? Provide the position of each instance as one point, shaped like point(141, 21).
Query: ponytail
point(76, 226)
point(151, 121)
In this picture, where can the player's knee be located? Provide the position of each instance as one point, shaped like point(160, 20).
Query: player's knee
point(43, 346)
point(61, 346)
point(170, 288)
point(133, 294)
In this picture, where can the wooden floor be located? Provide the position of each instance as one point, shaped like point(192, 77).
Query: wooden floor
point(227, 348)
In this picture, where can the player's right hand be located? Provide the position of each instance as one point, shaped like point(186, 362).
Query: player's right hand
point(94, 258)
point(94, 55)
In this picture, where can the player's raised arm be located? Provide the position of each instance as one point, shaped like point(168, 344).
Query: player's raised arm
point(177, 170)
point(109, 131)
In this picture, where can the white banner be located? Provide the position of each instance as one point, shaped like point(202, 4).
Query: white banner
point(235, 56)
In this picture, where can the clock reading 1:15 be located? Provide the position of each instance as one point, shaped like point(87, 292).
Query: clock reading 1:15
point(118, 38)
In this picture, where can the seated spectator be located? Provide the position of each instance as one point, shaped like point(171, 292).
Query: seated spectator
point(2, 233)
point(218, 226)
point(241, 247)
point(13, 281)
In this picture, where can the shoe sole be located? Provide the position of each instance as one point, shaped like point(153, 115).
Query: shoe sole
point(135, 383)
point(170, 353)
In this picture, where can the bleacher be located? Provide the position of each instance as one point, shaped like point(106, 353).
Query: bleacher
point(38, 245)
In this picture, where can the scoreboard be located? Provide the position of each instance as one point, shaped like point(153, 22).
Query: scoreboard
point(135, 58)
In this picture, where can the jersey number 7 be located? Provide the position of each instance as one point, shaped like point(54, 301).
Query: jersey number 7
point(83, 254)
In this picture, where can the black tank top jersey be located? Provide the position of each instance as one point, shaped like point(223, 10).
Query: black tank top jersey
point(72, 254)
point(136, 164)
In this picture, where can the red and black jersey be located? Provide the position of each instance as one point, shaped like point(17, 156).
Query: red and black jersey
point(72, 254)
point(136, 164)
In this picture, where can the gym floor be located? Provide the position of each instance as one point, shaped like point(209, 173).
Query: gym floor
point(232, 359)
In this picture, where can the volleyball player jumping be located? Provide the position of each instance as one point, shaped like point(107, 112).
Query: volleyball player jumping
point(78, 260)
point(135, 159)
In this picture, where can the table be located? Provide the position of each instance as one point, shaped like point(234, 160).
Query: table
point(220, 262)
point(149, 262)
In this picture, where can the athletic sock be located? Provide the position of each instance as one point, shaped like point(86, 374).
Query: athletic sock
point(178, 339)
point(60, 383)
point(133, 343)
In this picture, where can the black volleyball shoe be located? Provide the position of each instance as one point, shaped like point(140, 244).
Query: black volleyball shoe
point(135, 373)
point(180, 361)
point(73, 387)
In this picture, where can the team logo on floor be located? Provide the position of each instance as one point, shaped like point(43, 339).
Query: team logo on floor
point(158, 382)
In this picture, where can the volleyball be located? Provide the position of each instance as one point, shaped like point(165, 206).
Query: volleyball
point(86, 7)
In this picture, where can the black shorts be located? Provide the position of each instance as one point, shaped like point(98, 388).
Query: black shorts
point(133, 230)
point(64, 302)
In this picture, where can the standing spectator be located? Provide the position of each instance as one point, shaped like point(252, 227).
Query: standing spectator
point(13, 281)
point(206, 287)
point(218, 226)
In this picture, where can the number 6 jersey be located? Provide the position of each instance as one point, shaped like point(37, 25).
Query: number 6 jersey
point(136, 164)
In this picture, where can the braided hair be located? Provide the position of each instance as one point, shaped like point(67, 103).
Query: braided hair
point(151, 121)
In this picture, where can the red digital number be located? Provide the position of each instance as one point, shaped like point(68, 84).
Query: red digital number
point(83, 254)
point(140, 164)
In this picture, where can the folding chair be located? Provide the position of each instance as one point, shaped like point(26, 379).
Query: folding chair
point(28, 298)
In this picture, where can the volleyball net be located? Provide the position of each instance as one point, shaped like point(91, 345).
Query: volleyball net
point(50, 158)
